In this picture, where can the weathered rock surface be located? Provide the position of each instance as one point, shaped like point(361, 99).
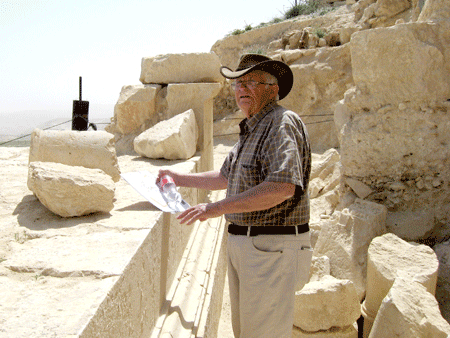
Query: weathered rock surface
point(231, 47)
point(390, 257)
point(443, 282)
point(320, 267)
point(95, 150)
point(326, 303)
point(435, 10)
point(335, 332)
point(71, 191)
point(325, 173)
point(78, 276)
point(408, 68)
point(409, 310)
point(135, 106)
point(173, 139)
point(345, 238)
point(391, 125)
point(198, 97)
point(181, 68)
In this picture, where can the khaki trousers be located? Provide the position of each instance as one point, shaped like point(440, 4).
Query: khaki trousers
point(264, 272)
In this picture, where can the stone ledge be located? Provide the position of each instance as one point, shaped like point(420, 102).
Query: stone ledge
point(194, 303)
point(98, 275)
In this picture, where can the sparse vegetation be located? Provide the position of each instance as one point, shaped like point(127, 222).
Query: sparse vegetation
point(320, 32)
point(302, 7)
point(256, 49)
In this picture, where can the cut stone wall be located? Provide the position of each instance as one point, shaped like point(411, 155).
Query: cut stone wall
point(393, 127)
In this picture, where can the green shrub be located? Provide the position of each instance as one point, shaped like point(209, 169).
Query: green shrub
point(237, 32)
point(319, 32)
point(305, 8)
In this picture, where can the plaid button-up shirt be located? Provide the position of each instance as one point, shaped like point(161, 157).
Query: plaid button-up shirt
point(273, 146)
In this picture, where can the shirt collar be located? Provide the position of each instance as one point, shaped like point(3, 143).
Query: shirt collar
point(247, 125)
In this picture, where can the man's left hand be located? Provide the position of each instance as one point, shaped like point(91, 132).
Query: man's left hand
point(200, 212)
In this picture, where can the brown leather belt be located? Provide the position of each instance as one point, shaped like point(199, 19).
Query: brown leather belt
point(235, 229)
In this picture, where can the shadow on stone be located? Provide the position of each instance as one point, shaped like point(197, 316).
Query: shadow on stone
point(33, 215)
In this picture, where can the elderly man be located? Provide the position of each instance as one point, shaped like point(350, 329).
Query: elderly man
point(266, 175)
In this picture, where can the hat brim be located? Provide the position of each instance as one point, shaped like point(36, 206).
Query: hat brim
point(279, 69)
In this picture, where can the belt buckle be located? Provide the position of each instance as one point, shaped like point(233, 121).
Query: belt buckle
point(249, 228)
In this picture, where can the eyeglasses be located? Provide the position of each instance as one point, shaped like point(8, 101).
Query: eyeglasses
point(248, 84)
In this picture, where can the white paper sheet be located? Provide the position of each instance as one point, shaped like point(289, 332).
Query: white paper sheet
point(144, 183)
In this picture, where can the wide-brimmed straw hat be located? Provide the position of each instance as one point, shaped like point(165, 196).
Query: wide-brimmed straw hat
point(251, 62)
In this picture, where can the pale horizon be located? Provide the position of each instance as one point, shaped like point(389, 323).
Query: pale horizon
point(48, 44)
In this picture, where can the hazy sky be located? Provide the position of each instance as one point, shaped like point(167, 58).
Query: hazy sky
point(47, 44)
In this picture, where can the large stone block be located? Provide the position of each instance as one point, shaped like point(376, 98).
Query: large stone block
point(409, 310)
point(320, 80)
point(346, 238)
point(173, 139)
point(325, 173)
point(443, 282)
point(435, 10)
point(70, 191)
point(395, 141)
point(93, 150)
point(390, 8)
point(326, 303)
point(401, 63)
point(136, 105)
point(181, 68)
point(390, 257)
point(198, 97)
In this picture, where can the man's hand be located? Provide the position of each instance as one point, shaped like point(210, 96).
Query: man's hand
point(171, 173)
point(200, 212)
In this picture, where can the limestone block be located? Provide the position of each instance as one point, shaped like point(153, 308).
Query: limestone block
point(320, 267)
point(321, 162)
point(70, 191)
point(345, 34)
point(335, 332)
point(409, 310)
point(346, 238)
point(390, 257)
point(327, 303)
point(408, 68)
point(136, 104)
point(295, 39)
point(276, 45)
point(172, 139)
point(324, 205)
point(181, 68)
point(435, 10)
point(390, 8)
point(360, 189)
point(443, 282)
point(325, 173)
point(198, 97)
point(320, 80)
point(93, 150)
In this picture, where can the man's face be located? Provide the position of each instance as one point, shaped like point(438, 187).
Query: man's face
point(252, 100)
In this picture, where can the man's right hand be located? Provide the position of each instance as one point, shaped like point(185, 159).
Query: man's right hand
point(174, 175)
